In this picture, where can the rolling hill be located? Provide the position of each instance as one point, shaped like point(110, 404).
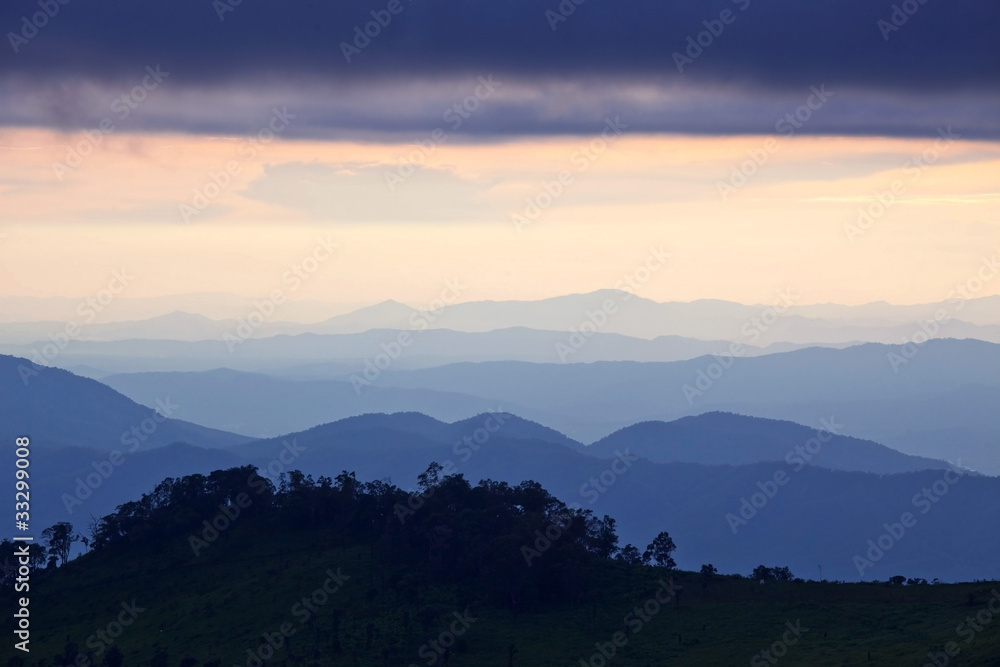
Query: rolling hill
point(59, 409)
point(736, 516)
point(298, 593)
point(939, 405)
point(716, 437)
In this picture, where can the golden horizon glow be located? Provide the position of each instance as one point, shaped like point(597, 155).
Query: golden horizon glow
point(787, 227)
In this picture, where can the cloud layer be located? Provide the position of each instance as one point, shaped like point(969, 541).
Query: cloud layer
point(901, 68)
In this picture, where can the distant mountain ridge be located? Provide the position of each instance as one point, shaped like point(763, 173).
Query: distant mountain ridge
point(262, 406)
point(59, 409)
point(712, 437)
point(630, 315)
point(704, 319)
point(833, 512)
point(412, 430)
point(708, 439)
point(587, 401)
point(351, 350)
point(938, 405)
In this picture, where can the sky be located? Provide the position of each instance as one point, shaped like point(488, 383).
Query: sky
point(847, 150)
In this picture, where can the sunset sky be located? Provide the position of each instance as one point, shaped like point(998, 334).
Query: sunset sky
point(216, 164)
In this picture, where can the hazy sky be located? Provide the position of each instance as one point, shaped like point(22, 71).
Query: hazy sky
point(223, 164)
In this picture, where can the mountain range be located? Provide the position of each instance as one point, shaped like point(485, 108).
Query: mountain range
point(340, 353)
point(939, 403)
point(727, 487)
point(197, 317)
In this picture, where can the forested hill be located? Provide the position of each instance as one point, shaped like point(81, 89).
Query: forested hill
point(227, 569)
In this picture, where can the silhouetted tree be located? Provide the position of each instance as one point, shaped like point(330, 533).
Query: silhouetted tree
point(60, 539)
point(630, 556)
point(602, 537)
point(708, 572)
point(512, 545)
point(762, 573)
point(660, 551)
point(430, 477)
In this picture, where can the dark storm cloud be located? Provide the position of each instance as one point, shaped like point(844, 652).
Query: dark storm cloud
point(921, 54)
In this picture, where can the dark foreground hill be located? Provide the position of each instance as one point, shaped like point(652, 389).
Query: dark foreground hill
point(325, 573)
point(738, 516)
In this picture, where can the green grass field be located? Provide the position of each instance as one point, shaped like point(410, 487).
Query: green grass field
point(219, 605)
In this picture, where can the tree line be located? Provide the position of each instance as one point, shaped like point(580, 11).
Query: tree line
point(494, 539)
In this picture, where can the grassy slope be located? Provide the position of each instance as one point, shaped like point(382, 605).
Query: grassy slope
point(246, 583)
